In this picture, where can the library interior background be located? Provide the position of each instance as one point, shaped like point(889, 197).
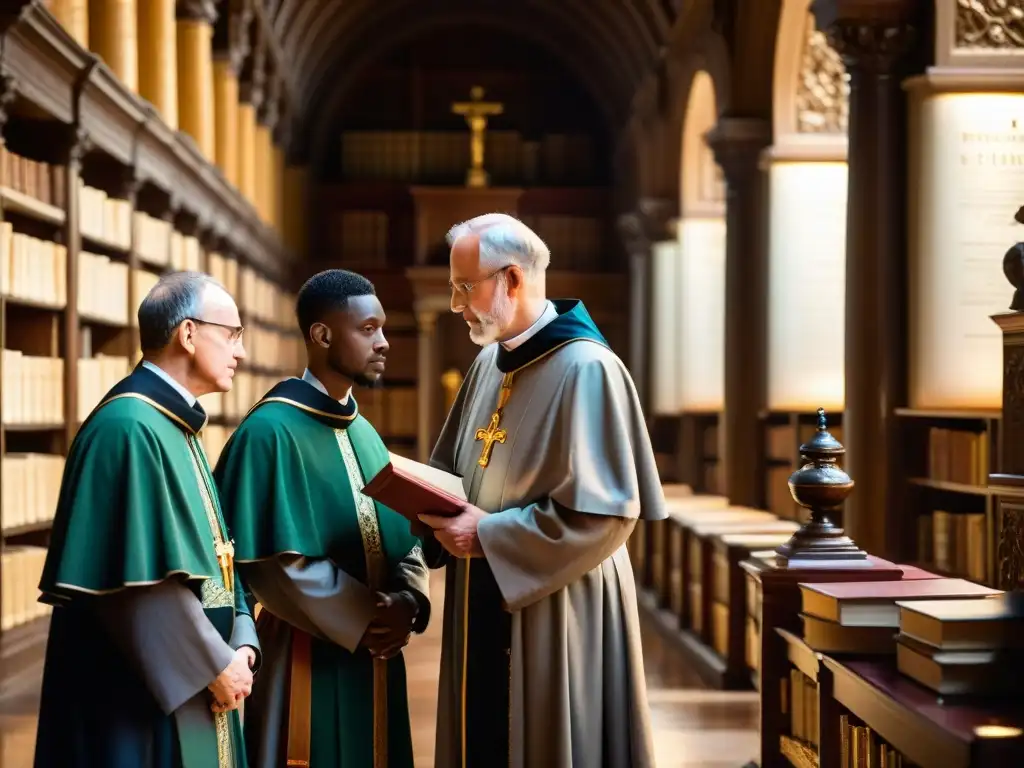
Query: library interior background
point(797, 222)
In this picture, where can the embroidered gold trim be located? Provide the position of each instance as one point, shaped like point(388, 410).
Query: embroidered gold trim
point(465, 656)
point(149, 401)
point(301, 407)
point(376, 576)
point(225, 756)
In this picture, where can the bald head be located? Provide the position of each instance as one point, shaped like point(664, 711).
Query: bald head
point(500, 240)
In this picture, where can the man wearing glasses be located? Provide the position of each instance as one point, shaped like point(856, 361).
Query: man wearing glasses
point(151, 646)
point(541, 662)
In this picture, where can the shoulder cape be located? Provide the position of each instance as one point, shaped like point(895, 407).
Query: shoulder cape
point(284, 487)
point(572, 324)
point(136, 503)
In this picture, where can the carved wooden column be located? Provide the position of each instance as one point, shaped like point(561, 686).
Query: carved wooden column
point(195, 71)
point(230, 46)
point(738, 144)
point(426, 381)
point(158, 57)
point(640, 230)
point(112, 35)
point(74, 17)
point(872, 39)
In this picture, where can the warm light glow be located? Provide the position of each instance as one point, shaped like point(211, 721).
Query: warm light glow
point(997, 732)
point(967, 176)
point(701, 318)
point(807, 286)
point(664, 328)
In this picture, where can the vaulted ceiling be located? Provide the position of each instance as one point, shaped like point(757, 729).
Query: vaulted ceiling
point(325, 45)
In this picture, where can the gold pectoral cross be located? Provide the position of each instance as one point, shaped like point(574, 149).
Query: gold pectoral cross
point(494, 433)
point(226, 559)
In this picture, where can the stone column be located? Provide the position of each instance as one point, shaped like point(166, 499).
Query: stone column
point(158, 57)
point(266, 122)
point(195, 71)
point(640, 230)
point(872, 38)
point(737, 144)
point(230, 47)
point(112, 35)
point(426, 382)
point(250, 95)
point(74, 17)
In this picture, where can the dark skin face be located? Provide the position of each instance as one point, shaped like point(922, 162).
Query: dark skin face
point(348, 346)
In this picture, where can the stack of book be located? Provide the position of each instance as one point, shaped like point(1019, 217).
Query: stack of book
point(962, 647)
point(864, 617)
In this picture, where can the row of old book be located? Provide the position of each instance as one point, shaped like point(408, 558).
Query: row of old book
point(30, 484)
point(958, 456)
point(33, 389)
point(41, 181)
point(103, 218)
point(257, 297)
point(860, 747)
point(953, 636)
point(954, 543)
point(20, 570)
point(32, 269)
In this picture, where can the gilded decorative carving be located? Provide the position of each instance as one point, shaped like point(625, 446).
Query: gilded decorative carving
point(1010, 547)
point(823, 92)
point(989, 24)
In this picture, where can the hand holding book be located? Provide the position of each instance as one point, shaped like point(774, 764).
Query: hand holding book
point(413, 489)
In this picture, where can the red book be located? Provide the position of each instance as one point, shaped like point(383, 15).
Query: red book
point(413, 489)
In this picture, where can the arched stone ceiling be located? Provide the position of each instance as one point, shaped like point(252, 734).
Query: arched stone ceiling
point(610, 45)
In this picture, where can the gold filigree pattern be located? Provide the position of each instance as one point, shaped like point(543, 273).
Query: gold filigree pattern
point(225, 757)
point(994, 24)
point(376, 576)
point(823, 92)
point(213, 595)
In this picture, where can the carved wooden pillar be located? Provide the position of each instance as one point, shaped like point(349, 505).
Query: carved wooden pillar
point(872, 39)
point(738, 144)
point(113, 36)
point(195, 71)
point(158, 57)
point(640, 230)
point(74, 17)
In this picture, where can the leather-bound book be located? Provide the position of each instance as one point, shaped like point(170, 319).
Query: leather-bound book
point(413, 489)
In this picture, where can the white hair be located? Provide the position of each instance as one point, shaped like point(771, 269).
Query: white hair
point(504, 240)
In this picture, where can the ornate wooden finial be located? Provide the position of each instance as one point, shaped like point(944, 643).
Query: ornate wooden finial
point(1013, 267)
point(821, 486)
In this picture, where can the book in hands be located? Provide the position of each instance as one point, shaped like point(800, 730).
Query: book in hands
point(413, 489)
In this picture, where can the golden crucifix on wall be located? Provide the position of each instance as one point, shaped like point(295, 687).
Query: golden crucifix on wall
point(476, 111)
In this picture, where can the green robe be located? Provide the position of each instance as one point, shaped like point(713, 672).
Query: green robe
point(313, 550)
point(143, 620)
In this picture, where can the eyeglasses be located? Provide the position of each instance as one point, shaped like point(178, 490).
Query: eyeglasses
point(467, 288)
point(236, 330)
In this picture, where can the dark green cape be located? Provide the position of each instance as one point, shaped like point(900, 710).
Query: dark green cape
point(132, 511)
point(284, 488)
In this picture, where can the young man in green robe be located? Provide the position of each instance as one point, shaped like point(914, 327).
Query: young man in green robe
point(340, 579)
point(151, 645)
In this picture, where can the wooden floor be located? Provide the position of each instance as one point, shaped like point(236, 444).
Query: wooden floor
point(694, 727)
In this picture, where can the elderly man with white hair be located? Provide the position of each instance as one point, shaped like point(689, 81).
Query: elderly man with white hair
point(541, 661)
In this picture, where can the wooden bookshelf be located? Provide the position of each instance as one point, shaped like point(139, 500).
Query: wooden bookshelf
point(829, 702)
point(947, 521)
point(98, 197)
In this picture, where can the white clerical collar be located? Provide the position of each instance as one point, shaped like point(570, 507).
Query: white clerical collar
point(546, 317)
point(309, 378)
point(189, 397)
